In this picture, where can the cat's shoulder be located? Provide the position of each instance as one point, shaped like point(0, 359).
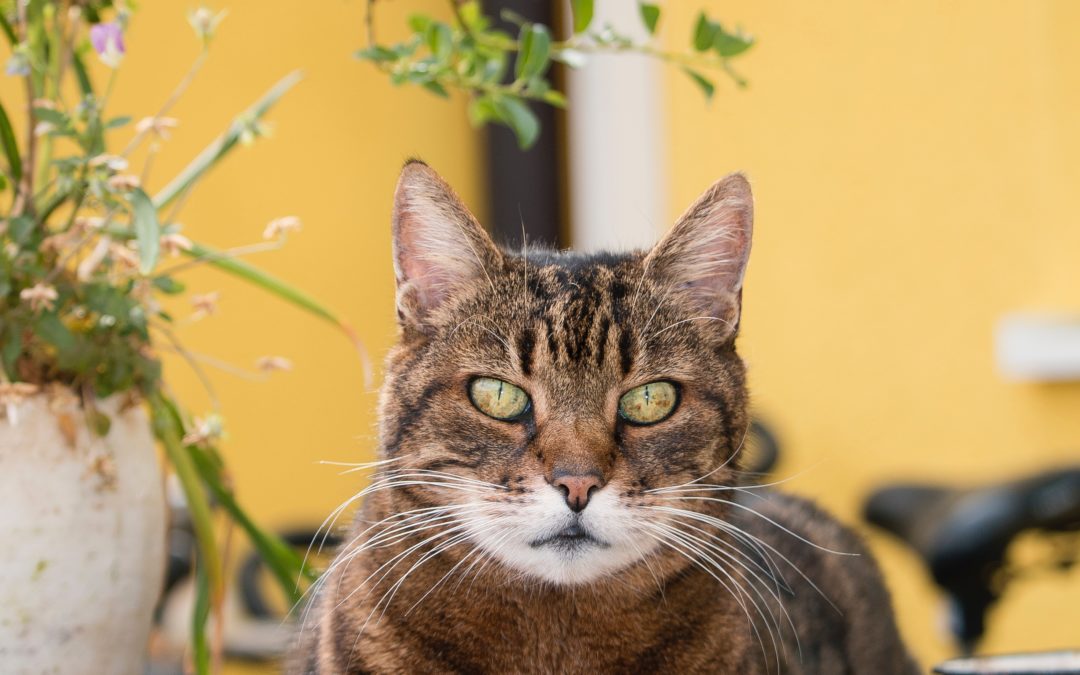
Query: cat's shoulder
point(772, 512)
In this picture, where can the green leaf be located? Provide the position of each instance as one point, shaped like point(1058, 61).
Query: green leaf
point(21, 228)
point(731, 44)
point(707, 87)
point(168, 285)
point(533, 55)
point(554, 98)
point(200, 647)
point(267, 282)
point(704, 33)
point(8, 30)
point(283, 561)
point(11, 147)
point(650, 16)
point(376, 53)
point(482, 111)
point(515, 113)
point(99, 422)
point(12, 349)
point(117, 122)
point(85, 85)
point(440, 40)
point(419, 23)
point(49, 328)
point(54, 117)
point(147, 229)
point(167, 427)
point(220, 147)
point(436, 88)
point(583, 14)
point(472, 16)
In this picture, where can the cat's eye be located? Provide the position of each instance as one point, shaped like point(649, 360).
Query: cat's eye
point(498, 399)
point(650, 403)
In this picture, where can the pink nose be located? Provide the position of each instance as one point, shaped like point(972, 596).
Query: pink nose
point(578, 489)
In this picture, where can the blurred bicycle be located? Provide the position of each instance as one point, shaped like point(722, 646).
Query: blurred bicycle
point(964, 536)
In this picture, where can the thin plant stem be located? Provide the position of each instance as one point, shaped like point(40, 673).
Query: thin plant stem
point(185, 82)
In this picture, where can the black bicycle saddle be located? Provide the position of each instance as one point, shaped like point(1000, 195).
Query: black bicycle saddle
point(962, 534)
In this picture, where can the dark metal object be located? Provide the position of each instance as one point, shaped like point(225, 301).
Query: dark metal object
point(963, 535)
point(524, 185)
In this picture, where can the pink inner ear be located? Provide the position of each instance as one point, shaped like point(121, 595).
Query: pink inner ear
point(438, 245)
point(705, 254)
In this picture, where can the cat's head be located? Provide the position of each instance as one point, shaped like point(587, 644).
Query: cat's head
point(549, 405)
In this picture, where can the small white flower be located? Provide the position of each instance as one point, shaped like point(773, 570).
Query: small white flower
point(90, 263)
point(205, 22)
point(204, 431)
point(123, 182)
point(269, 364)
point(279, 226)
point(253, 130)
point(206, 303)
point(161, 126)
point(123, 256)
point(39, 296)
point(173, 244)
point(112, 162)
point(89, 222)
point(42, 128)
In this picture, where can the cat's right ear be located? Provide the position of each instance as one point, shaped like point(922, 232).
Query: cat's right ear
point(439, 247)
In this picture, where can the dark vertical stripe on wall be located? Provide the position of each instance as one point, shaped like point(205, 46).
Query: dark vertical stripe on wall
point(524, 185)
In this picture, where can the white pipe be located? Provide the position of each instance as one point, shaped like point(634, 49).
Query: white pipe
point(618, 185)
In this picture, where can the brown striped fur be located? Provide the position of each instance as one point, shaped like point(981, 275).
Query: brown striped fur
point(729, 591)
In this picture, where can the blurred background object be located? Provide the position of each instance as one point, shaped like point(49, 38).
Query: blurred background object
point(915, 168)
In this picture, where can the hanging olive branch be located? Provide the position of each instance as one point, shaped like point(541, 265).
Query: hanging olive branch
point(501, 73)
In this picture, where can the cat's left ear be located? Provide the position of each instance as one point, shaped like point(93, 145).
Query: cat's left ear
point(704, 256)
point(439, 247)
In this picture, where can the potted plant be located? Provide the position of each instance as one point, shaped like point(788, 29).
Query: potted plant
point(87, 253)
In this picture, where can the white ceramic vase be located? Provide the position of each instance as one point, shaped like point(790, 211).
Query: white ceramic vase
point(82, 539)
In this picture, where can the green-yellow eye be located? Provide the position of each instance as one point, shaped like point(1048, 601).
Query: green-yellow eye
point(498, 399)
point(649, 403)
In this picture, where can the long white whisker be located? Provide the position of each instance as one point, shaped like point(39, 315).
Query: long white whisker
point(763, 609)
point(664, 540)
point(766, 519)
point(739, 532)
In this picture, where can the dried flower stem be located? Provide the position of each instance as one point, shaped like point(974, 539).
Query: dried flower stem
point(185, 82)
point(221, 365)
point(227, 254)
point(178, 346)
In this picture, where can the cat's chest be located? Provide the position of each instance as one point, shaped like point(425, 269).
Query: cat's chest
point(554, 636)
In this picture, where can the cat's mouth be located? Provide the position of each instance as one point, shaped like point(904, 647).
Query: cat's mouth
point(571, 537)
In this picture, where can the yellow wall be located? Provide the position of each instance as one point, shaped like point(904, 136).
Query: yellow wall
point(915, 167)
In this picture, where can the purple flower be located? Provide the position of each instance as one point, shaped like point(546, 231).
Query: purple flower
point(108, 42)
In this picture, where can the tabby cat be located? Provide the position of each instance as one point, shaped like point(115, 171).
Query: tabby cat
point(558, 487)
